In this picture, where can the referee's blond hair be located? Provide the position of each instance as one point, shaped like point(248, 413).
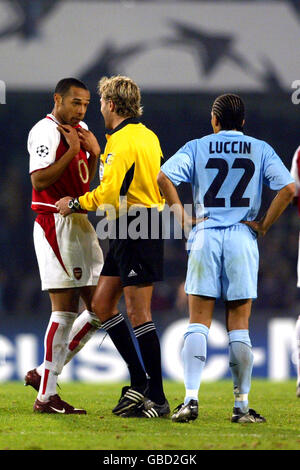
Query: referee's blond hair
point(124, 93)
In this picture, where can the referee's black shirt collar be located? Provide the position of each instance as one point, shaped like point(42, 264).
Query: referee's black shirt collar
point(124, 123)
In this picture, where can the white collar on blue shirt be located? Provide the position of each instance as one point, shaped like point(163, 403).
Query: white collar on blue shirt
point(231, 132)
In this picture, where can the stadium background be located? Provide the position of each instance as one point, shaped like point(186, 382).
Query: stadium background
point(183, 54)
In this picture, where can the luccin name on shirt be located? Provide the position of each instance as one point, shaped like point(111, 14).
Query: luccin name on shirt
point(234, 146)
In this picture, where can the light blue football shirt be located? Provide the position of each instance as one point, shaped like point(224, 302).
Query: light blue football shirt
point(227, 171)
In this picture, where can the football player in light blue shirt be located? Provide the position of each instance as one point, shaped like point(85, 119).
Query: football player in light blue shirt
point(227, 170)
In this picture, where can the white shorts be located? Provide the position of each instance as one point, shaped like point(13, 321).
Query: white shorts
point(67, 250)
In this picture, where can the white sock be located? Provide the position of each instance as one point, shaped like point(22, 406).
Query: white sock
point(297, 332)
point(55, 351)
point(85, 325)
point(194, 353)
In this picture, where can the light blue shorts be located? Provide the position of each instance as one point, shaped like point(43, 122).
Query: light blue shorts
point(223, 262)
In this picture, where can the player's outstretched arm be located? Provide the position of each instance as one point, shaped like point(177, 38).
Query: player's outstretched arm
point(280, 202)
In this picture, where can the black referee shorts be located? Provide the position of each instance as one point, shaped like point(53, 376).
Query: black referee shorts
point(136, 261)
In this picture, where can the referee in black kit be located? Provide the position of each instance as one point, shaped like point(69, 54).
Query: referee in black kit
point(129, 167)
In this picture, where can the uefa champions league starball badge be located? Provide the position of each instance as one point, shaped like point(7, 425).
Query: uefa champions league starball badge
point(42, 151)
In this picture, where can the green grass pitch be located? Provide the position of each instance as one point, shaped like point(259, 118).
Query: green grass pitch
point(21, 429)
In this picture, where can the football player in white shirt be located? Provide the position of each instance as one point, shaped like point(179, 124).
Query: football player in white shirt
point(67, 248)
point(295, 172)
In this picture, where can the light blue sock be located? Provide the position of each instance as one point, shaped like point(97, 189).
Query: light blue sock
point(194, 357)
point(241, 363)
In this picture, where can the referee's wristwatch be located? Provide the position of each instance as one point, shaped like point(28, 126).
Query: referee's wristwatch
point(74, 205)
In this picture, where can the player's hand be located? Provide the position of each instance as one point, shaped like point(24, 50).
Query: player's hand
point(189, 223)
point(62, 206)
point(257, 226)
point(88, 141)
point(71, 137)
point(198, 220)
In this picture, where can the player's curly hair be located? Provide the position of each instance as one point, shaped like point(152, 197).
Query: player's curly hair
point(124, 93)
point(230, 111)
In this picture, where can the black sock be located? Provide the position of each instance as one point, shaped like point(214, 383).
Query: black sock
point(150, 351)
point(119, 333)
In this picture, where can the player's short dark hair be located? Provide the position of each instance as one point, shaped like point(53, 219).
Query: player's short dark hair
point(65, 84)
point(230, 111)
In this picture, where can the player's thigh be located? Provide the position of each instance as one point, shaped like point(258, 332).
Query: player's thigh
point(138, 303)
point(240, 263)
point(82, 247)
point(87, 293)
point(237, 314)
point(53, 272)
point(205, 263)
point(67, 251)
point(106, 297)
point(64, 300)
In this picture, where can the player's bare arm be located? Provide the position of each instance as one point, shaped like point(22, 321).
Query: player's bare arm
point(44, 178)
point(89, 143)
point(170, 193)
point(278, 205)
point(296, 195)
